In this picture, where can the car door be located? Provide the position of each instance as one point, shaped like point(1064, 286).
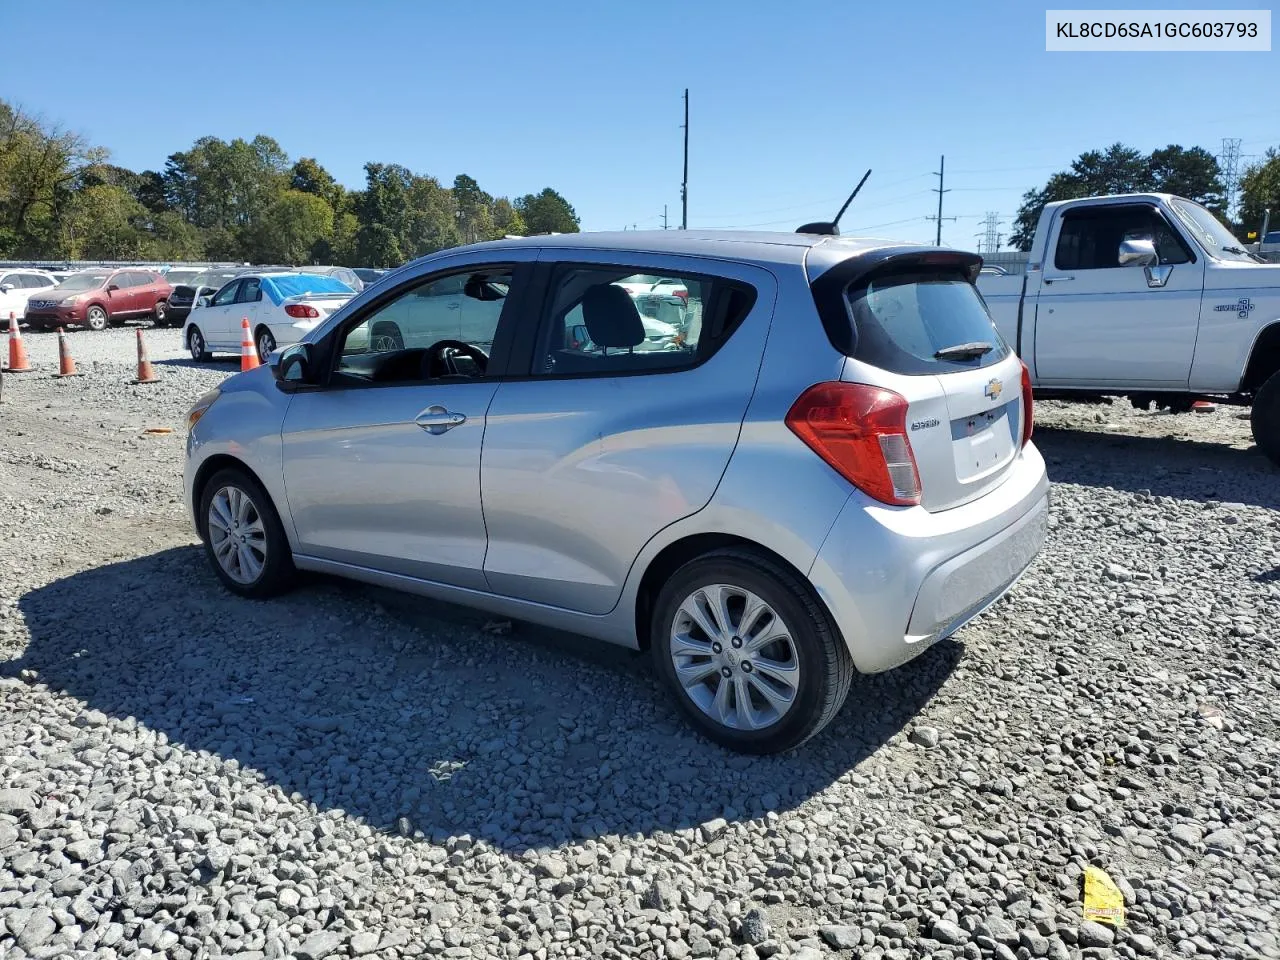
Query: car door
point(611, 438)
point(1102, 324)
point(382, 462)
point(215, 320)
point(131, 294)
point(248, 305)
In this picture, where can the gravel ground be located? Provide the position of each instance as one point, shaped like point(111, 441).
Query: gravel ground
point(348, 772)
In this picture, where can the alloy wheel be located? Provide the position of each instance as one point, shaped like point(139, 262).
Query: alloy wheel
point(734, 657)
point(237, 535)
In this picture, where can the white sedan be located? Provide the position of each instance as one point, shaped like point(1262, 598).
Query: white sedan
point(16, 288)
point(281, 308)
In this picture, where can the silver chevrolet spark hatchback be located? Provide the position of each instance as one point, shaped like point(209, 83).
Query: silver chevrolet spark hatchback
point(811, 455)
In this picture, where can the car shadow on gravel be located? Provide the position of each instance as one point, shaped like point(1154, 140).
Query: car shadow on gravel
point(1165, 466)
point(409, 714)
point(214, 363)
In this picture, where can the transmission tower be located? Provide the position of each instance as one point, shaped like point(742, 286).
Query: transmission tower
point(991, 236)
point(1229, 161)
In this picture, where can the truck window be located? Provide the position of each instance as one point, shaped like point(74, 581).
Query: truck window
point(1090, 236)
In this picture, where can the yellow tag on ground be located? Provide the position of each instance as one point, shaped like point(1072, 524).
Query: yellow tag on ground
point(1103, 900)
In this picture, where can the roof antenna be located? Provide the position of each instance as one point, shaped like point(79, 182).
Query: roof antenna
point(832, 229)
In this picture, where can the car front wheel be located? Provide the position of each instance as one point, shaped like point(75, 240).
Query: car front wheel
point(749, 652)
point(1264, 419)
point(95, 319)
point(243, 537)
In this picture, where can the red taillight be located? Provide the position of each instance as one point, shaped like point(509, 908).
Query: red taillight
point(1028, 407)
point(683, 294)
point(861, 431)
point(300, 311)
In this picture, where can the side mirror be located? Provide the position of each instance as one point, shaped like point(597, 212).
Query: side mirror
point(5, 287)
point(201, 302)
point(295, 364)
point(1138, 253)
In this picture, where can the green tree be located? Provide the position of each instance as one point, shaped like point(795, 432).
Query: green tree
point(475, 215)
point(1192, 173)
point(507, 220)
point(1260, 192)
point(547, 212)
point(101, 222)
point(307, 176)
point(1119, 169)
point(293, 228)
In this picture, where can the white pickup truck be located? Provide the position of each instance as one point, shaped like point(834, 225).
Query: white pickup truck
point(1146, 296)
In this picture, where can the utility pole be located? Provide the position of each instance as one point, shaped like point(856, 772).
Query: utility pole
point(684, 183)
point(664, 216)
point(939, 190)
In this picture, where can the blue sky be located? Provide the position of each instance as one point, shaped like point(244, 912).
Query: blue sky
point(790, 102)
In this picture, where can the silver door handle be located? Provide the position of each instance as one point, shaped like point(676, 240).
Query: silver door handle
point(1057, 279)
point(436, 419)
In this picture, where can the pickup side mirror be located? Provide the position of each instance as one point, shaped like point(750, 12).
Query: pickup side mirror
point(1138, 253)
point(5, 287)
point(294, 365)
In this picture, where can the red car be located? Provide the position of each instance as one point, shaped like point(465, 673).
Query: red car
point(99, 298)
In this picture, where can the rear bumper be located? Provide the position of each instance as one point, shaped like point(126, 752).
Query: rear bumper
point(896, 580)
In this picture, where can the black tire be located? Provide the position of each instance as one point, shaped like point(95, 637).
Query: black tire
point(825, 667)
point(196, 344)
point(1264, 419)
point(96, 319)
point(264, 343)
point(160, 313)
point(277, 573)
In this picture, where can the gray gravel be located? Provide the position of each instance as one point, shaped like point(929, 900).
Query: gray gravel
point(347, 772)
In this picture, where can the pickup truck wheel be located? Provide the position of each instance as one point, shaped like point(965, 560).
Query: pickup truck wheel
point(1265, 418)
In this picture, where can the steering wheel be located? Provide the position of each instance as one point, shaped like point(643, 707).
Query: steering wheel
point(459, 358)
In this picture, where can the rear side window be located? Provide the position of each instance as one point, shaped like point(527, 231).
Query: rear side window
point(612, 320)
point(912, 323)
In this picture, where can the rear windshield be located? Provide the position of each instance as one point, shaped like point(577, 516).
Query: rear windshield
point(906, 323)
point(302, 284)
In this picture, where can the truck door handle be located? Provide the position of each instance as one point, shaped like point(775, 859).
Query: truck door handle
point(437, 419)
point(1057, 279)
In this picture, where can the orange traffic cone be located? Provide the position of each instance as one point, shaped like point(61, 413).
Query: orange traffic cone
point(66, 362)
point(1203, 406)
point(145, 373)
point(248, 352)
point(17, 349)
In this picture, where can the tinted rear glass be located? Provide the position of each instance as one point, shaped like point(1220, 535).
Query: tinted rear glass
point(902, 321)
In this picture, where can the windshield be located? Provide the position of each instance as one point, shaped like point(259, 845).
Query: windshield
point(302, 284)
point(82, 281)
point(176, 277)
point(1213, 236)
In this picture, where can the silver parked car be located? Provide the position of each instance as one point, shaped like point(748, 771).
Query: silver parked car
point(831, 470)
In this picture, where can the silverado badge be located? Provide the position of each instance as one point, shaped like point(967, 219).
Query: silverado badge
point(1240, 308)
point(994, 387)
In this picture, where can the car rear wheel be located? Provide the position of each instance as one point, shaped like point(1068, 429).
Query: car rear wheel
point(749, 652)
point(160, 314)
point(196, 344)
point(1264, 419)
point(243, 537)
point(266, 343)
point(95, 319)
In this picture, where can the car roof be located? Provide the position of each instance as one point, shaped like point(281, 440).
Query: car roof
point(761, 246)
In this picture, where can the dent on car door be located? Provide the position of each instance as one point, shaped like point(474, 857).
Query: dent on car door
point(613, 439)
